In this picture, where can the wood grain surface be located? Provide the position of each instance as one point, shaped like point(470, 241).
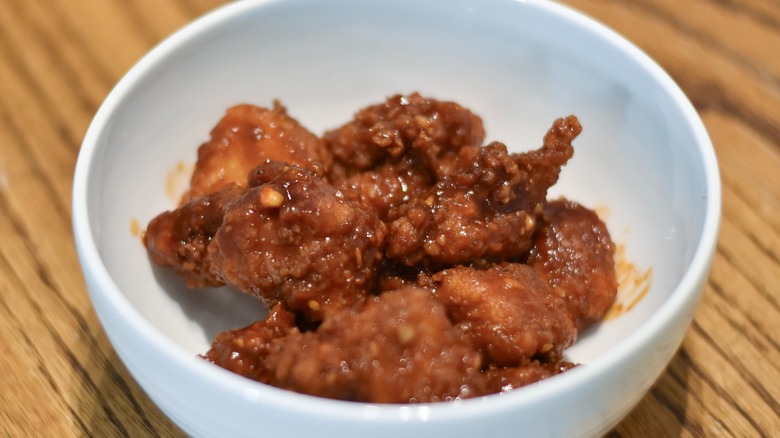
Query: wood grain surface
point(59, 58)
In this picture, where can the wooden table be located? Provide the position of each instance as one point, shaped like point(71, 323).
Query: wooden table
point(59, 58)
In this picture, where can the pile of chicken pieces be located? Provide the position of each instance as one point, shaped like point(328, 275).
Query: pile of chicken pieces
point(401, 259)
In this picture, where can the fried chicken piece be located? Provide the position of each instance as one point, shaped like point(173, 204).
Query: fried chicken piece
point(293, 238)
point(247, 136)
point(392, 151)
point(179, 238)
point(402, 124)
point(499, 380)
point(473, 215)
point(541, 168)
point(389, 185)
point(575, 254)
point(487, 210)
point(507, 311)
point(244, 351)
point(399, 347)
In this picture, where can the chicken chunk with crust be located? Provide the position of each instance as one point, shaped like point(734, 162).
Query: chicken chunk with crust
point(575, 254)
point(399, 347)
point(244, 351)
point(179, 238)
point(392, 151)
point(293, 238)
point(487, 210)
point(247, 136)
point(508, 311)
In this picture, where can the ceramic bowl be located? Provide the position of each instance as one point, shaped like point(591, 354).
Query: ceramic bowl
point(644, 162)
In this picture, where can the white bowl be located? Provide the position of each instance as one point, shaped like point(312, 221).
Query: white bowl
point(644, 160)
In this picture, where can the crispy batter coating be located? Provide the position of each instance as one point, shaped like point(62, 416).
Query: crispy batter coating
point(474, 215)
point(399, 347)
point(433, 129)
point(507, 311)
point(247, 136)
point(389, 185)
point(391, 152)
point(540, 168)
point(179, 238)
point(244, 351)
point(293, 238)
point(575, 254)
point(487, 209)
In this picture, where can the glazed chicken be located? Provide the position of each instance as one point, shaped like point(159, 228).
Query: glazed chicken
point(391, 152)
point(247, 136)
point(179, 238)
point(293, 238)
point(401, 259)
point(508, 312)
point(574, 253)
point(486, 210)
point(398, 347)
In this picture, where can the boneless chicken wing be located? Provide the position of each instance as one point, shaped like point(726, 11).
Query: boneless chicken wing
point(389, 185)
point(247, 136)
point(487, 210)
point(508, 311)
point(391, 152)
point(540, 168)
point(433, 129)
point(244, 351)
point(399, 347)
point(293, 238)
point(179, 238)
point(575, 254)
point(473, 215)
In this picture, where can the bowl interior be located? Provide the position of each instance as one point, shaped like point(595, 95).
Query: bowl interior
point(514, 63)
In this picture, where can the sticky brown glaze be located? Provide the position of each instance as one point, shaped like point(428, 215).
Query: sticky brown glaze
point(473, 215)
point(432, 128)
point(540, 168)
point(399, 347)
point(389, 185)
point(179, 238)
point(507, 311)
point(575, 254)
point(487, 209)
point(247, 136)
point(392, 151)
point(244, 351)
point(293, 238)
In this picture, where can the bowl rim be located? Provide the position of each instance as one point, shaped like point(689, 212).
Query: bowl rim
point(94, 268)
